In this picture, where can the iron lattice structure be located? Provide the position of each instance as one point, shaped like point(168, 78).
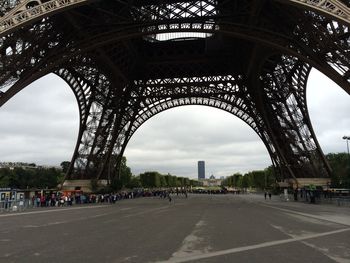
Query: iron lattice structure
point(127, 60)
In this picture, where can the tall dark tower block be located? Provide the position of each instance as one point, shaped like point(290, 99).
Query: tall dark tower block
point(201, 170)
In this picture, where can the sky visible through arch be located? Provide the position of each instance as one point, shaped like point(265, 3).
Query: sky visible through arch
point(40, 125)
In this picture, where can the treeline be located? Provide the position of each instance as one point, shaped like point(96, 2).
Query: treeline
point(147, 179)
point(155, 179)
point(24, 178)
point(32, 176)
point(340, 176)
point(256, 179)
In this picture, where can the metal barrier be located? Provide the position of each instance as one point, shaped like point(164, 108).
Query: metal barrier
point(343, 201)
point(14, 206)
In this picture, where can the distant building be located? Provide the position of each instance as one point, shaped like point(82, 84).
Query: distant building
point(201, 170)
point(211, 182)
point(13, 165)
point(212, 177)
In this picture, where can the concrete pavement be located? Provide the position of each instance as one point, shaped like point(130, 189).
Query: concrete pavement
point(202, 228)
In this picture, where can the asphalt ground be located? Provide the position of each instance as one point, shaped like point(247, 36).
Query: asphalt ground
point(201, 228)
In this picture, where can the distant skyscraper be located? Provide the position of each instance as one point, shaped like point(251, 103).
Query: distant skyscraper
point(201, 170)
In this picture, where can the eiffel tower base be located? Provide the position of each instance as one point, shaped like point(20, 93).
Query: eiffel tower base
point(302, 182)
point(87, 186)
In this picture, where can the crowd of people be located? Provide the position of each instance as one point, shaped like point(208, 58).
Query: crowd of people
point(58, 199)
point(68, 199)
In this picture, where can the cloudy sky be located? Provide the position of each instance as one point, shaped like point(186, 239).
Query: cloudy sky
point(40, 124)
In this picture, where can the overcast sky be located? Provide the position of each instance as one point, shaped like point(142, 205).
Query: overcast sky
point(40, 124)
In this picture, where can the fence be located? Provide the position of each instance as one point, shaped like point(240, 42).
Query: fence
point(343, 201)
point(319, 199)
point(14, 206)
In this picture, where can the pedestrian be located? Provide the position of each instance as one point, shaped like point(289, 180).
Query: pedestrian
point(33, 200)
point(169, 198)
point(265, 195)
point(270, 195)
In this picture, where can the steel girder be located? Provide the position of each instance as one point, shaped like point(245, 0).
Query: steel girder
point(252, 60)
point(16, 13)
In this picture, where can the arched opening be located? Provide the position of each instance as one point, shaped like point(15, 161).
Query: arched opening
point(40, 124)
point(174, 140)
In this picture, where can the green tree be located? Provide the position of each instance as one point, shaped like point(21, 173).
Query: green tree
point(125, 172)
point(340, 164)
point(245, 182)
point(124, 178)
point(150, 179)
point(65, 166)
point(5, 175)
point(134, 182)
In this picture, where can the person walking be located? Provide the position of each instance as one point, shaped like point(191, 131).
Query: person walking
point(169, 198)
point(270, 195)
point(265, 195)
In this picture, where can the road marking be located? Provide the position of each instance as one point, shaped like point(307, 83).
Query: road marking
point(53, 210)
point(147, 211)
point(57, 223)
point(30, 226)
point(125, 209)
point(253, 247)
point(192, 244)
point(100, 215)
point(324, 251)
point(334, 219)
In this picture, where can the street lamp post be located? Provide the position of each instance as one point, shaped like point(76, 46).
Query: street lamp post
point(347, 138)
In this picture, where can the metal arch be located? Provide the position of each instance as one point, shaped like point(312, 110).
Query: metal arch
point(132, 126)
point(82, 92)
point(333, 8)
point(229, 102)
point(22, 15)
point(199, 101)
point(226, 104)
point(164, 94)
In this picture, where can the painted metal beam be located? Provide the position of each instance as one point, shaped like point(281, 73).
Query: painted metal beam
point(23, 14)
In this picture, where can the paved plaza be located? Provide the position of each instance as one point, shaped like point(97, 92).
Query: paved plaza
point(201, 228)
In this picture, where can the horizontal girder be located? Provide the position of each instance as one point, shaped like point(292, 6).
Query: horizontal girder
point(28, 11)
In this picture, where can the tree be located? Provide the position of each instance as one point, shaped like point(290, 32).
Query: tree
point(234, 180)
point(150, 179)
point(125, 172)
point(124, 176)
point(65, 166)
point(134, 182)
point(5, 175)
point(23, 178)
point(245, 181)
point(340, 164)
